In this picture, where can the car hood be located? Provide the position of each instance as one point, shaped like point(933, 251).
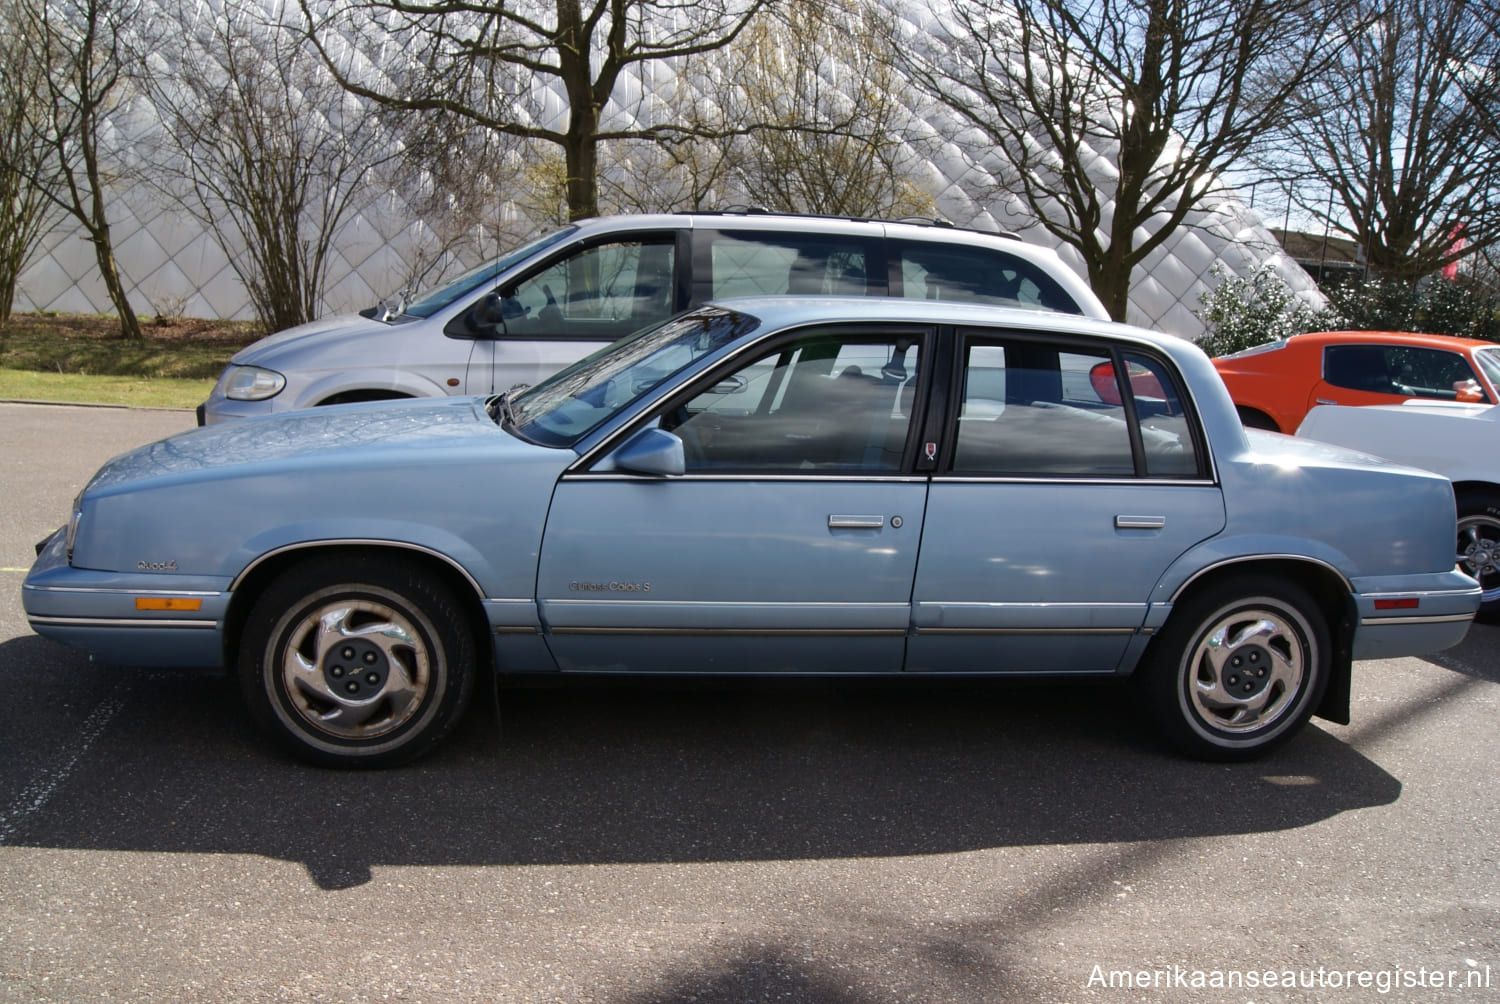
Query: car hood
point(384, 431)
point(328, 331)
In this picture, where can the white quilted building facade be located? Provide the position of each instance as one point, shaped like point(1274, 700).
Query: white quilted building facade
point(169, 261)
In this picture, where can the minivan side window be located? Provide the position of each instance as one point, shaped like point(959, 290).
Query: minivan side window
point(976, 275)
point(602, 292)
point(763, 264)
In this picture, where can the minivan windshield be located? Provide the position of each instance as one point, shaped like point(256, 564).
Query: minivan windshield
point(569, 405)
point(431, 302)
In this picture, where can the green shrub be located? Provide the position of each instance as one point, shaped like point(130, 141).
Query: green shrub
point(1250, 310)
point(1463, 308)
point(1243, 311)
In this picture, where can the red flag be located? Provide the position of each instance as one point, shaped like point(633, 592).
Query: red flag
point(1456, 235)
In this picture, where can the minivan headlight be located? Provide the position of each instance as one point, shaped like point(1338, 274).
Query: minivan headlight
point(74, 516)
point(251, 383)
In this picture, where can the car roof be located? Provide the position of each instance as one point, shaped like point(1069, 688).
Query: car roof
point(937, 231)
point(927, 232)
point(788, 311)
point(1387, 338)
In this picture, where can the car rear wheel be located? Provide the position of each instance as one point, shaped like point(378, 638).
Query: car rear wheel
point(1252, 418)
point(357, 662)
point(1238, 668)
point(1479, 545)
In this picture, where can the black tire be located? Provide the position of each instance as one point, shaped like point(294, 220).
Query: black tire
point(1479, 545)
point(1252, 418)
point(1238, 668)
point(357, 662)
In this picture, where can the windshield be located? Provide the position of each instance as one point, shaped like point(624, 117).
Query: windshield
point(431, 302)
point(567, 406)
point(1489, 361)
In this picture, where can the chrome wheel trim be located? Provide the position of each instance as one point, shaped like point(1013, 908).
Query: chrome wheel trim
point(1479, 552)
point(355, 669)
point(1248, 668)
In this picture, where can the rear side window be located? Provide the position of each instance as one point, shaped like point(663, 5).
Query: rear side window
point(1033, 408)
point(977, 275)
point(759, 264)
point(1405, 370)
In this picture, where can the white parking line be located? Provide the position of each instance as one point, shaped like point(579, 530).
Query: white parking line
point(36, 794)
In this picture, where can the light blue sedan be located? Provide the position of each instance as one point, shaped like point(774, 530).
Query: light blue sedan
point(770, 486)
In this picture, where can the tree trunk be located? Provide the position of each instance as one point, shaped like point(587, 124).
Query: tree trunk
point(581, 157)
point(130, 325)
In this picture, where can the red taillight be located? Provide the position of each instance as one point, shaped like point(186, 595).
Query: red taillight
point(1406, 603)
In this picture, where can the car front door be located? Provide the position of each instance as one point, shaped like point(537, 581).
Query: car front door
point(1064, 493)
point(572, 305)
point(788, 543)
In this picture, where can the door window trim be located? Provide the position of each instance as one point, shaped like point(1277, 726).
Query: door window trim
point(964, 338)
point(925, 337)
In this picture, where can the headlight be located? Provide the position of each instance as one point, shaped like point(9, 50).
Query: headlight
point(73, 519)
point(251, 383)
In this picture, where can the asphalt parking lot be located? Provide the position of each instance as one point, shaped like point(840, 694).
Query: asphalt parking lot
point(815, 842)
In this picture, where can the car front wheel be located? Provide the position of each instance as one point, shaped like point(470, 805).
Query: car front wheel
point(1238, 668)
point(1479, 546)
point(357, 662)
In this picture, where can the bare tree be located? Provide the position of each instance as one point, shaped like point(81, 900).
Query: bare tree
point(804, 113)
point(828, 128)
point(84, 44)
point(1171, 93)
point(480, 64)
point(265, 150)
point(1399, 150)
point(28, 181)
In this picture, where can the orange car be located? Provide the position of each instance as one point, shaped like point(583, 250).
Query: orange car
point(1275, 384)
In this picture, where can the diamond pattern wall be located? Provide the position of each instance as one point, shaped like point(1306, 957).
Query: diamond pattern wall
point(167, 257)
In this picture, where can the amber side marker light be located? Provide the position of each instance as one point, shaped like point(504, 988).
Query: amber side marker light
point(1408, 603)
point(167, 603)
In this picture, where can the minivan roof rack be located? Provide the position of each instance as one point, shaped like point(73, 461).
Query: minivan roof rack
point(937, 222)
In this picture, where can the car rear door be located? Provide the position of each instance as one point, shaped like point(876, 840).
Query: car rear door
point(593, 294)
point(1056, 508)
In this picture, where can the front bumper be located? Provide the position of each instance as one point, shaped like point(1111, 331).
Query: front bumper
point(102, 612)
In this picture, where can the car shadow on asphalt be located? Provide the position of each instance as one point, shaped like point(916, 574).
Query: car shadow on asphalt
point(589, 772)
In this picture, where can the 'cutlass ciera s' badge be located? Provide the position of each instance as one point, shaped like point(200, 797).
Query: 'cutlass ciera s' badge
point(613, 586)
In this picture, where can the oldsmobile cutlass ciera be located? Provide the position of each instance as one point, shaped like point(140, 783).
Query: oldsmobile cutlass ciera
point(770, 486)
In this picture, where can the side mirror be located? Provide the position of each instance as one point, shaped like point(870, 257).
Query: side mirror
point(651, 451)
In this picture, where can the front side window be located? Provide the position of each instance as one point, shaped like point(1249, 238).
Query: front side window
point(819, 403)
point(1034, 408)
point(978, 275)
point(481, 277)
point(603, 292)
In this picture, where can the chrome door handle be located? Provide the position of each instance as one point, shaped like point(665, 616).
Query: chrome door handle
point(1140, 522)
point(837, 522)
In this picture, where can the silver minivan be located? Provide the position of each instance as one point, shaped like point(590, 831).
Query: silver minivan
point(527, 314)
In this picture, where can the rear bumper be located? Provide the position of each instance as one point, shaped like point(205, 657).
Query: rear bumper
point(1413, 615)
